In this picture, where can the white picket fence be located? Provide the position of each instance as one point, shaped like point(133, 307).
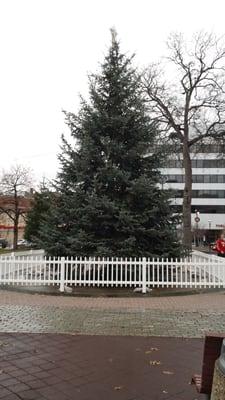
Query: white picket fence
point(199, 271)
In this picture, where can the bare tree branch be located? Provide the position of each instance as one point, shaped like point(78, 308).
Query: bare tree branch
point(190, 106)
point(14, 184)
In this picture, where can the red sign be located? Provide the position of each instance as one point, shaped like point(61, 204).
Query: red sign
point(9, 227)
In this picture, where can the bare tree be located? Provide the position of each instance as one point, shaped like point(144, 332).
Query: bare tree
point(13, 187)
point(190, 110)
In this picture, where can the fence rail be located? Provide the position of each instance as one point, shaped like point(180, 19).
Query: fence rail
point(196, 272)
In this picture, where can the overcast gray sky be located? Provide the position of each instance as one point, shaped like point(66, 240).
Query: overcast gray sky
point(48, 46)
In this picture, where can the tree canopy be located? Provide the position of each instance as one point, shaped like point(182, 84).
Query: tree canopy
point(109, 201)
point(190, 106)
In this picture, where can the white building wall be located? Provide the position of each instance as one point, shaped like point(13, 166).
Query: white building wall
point(195, 171)
point(195, 186)
point(201, 202)
point(210, 221)
point(207, 221)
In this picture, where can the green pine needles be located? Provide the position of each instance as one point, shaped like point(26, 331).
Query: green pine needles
point(109, 201)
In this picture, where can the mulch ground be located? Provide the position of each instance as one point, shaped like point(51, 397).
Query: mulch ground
point(65, 367)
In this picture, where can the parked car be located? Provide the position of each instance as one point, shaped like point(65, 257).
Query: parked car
point(212, 245)
point(23, 242)
point(214, 248)
point(3, 243)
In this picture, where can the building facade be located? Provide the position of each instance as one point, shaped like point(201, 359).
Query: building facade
point(6, 228)
point(208, 190)
point(7, 206)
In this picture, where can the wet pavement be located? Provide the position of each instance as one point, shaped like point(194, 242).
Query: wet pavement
point(66, 367)
point(213, 301)
point(104, 348)
point(175, 316)
point(145, 322)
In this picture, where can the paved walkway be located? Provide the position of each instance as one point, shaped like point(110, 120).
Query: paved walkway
point(180, 316)
point(117, 348)
point(66, 367)
point(214, 301)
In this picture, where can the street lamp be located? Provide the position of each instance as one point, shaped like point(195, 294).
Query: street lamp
point(210, 225)
point(197, 220)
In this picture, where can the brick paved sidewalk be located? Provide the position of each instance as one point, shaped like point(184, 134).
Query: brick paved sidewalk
point(214, 301)
point(188, 316)
point(65, 367)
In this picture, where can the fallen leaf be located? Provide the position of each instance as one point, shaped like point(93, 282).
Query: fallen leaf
point(164, 391)
point(118, 387)
point(168, 372)
point(3, 344)
point(151, 349)
point(155, 362)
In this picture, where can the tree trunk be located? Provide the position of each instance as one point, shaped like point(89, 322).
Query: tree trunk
point(15, 233)
point(187, 234)
point(16, 220)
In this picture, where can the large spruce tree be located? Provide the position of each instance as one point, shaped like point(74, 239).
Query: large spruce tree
point(109, 201)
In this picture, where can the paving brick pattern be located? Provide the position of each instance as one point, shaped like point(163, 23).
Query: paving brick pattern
point(188, 316)
point(133, 360)
point(66, 367)
point(109, 322)
point(214, 301)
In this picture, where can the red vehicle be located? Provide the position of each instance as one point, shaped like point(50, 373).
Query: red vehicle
point(220, 246)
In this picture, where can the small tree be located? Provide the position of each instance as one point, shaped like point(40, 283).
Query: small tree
point(13, 185)
point(109, 201)
point(41, 205)
point(191, 109)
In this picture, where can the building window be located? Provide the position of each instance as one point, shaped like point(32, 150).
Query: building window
point(206, 178)
point(203, 209)
point(196, 178)
point(202, 194)
point(216, 163)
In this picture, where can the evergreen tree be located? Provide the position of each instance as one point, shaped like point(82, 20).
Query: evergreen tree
point(109, 201)
point(41, 205)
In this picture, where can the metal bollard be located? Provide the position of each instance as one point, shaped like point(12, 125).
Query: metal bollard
point(221, 361)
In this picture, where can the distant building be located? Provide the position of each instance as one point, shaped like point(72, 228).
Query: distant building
point(6, 223)
point(208, 189)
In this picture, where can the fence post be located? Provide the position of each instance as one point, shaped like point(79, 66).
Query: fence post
point(144, 275)
point(62, 275)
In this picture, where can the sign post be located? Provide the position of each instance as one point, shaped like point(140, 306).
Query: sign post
point(197, 220)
